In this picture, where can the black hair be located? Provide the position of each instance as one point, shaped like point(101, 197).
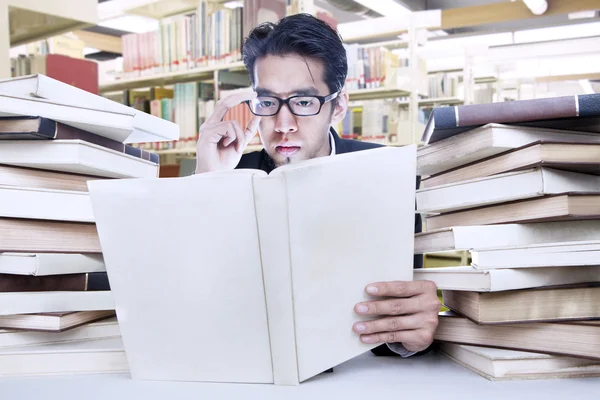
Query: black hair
point(300, 34)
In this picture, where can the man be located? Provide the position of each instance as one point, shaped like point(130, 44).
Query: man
point(298, 69)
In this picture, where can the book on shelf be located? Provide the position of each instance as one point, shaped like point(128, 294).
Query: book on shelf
point(566, 156)
point(500, 364)
point(102, 329)
point(280, 275)
point(552, 304)
point(576, 113)
point(444, 84)
point(51, 322)
point(43, 264)
point(78, 357)
point(54, 283)
point(37, 236)
point(12, 303)
point(513, 186)
point(504, 235)
point(299, 7)
point(566, 254)
point(471, 279)
point(573, 339)
point(40, 95)
point(564, 207)
point(488, 141)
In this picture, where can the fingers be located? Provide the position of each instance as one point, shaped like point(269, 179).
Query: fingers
point(401, 288)
point(390, 307)
point(224, 105)
point(389, 324)
point(240, 143)
point(252, 128)
point(413, 340)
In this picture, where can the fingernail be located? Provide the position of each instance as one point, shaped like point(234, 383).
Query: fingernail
point(367, 339)
point(371, 290)
point(362, 308)
point(360, 327)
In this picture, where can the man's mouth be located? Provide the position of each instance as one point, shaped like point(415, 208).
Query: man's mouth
point(287, 151)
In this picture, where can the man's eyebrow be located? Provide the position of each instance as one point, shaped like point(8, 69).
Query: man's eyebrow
point(307, 91)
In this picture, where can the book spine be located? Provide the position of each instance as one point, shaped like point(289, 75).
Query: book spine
point(68, 282)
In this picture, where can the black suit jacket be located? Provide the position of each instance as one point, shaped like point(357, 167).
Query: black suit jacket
point(260, 160)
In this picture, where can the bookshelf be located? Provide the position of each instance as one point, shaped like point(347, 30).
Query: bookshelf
point(32, 20)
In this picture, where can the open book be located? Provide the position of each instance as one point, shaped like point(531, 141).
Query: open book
point(254, 276)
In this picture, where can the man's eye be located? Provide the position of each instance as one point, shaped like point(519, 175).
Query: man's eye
point(265, 104)
point(304, 103)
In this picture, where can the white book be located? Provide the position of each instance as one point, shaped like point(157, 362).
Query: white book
point(539, 255)
point(41, 264)
point(266, 255)
point(486, 141)
point(76, 156)
point(469, 278)
point(46, 302)
point(503, 188)
point(500, 364)
point(115, 126)
point(144, 127)
point(505, 235)
point(96, 330)
point(37, 203)
point(80, 357)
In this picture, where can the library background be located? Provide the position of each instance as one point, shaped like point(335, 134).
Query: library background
point(510, 200)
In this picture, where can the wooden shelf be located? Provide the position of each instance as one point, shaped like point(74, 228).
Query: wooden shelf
point(169, 78)
point(192, 150)
point(32, 20)
point(440, 101)
point(378, 93)
point(160, 9)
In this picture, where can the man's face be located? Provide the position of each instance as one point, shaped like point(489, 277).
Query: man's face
point(288, 138)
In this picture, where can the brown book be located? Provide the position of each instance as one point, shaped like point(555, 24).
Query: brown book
point(550, 304)
point(566, 156)
point(579, 112)
point(52, 322)
point(54, 283)
point(562, 338)
point(38, 236)
point(42, 179)
point(553, 208)
point(36, 128)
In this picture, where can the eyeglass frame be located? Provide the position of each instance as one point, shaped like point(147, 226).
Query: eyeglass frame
point(322, 101)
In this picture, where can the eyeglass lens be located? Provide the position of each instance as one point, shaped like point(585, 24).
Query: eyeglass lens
point(305, 105)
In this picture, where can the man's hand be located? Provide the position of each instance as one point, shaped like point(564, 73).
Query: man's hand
point(221, 143)
point(409, 315)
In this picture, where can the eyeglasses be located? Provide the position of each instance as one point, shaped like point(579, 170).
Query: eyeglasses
point(302, 106)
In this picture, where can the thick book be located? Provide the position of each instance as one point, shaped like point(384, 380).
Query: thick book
point(576, 113)
point(80, 357)
point(564, 254)
point(75, 156)
point(38, 236)
point(140, 127)
point(574, 339)
point(469, 278)
point(502, 365)
point(565, 156)
point(46, 302)
point(65, 282)
point(103, 329)
point(36, 128)
point(41, 179)
point(35, 203)
point(276, 263)
point(552, 304)
point(504, 235)
point(52, 322)
point(487, 141)
point(42, 264)
point(503, 188)
point(555, 208)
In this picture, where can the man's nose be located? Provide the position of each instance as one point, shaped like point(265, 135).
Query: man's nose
point(285, 121)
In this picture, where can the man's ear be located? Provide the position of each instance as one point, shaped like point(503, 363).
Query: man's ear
point(341, 107)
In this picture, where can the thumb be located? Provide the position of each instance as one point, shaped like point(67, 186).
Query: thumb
point(252, 127)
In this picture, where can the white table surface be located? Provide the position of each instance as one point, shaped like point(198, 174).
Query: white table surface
point(365, 377)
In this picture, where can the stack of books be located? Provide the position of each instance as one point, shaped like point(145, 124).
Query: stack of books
point(56, 307)
point(518, 185)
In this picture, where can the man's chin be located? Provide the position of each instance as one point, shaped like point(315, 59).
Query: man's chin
point(281, 160)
